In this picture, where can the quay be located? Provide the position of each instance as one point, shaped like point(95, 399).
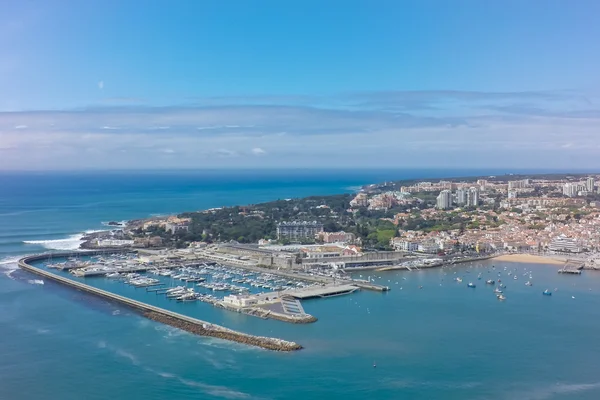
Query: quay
point(572, 267)
point(320, 291)
point(177, 320)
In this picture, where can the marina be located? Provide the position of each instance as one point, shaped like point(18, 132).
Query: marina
point(254, 291)
point(181, 321)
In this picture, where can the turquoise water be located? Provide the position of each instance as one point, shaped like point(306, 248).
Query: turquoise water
point(438, 342)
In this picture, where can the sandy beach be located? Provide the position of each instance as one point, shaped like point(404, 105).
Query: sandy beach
point(530, 258)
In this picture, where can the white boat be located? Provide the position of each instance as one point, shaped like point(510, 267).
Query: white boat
point(528, 283)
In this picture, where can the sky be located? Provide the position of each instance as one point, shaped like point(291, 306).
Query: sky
point(114, 84)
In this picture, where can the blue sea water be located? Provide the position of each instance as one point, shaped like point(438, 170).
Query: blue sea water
point(444, 341)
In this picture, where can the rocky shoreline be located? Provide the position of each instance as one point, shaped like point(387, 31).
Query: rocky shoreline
point(226, 334)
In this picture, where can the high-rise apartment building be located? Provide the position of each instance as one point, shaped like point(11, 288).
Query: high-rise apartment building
point(444, 200)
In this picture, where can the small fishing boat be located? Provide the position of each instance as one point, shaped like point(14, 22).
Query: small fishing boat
point(471, 285)
point(490, 282)
point(528, 283)
point(515, 278)
point(497, 290)
point(501, 297)
point(547, 292)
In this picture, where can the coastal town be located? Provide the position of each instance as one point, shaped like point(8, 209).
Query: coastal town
point(388, 224)
point(263, 260)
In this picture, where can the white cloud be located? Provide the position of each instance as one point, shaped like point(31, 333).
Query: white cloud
point(101, 85)
point(297, 136)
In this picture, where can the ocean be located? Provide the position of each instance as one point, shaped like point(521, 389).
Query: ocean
point(444, 341)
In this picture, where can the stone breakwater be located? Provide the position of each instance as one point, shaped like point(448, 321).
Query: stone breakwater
point(158, 314)
point(224, 333)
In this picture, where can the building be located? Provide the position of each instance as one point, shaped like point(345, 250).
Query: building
point(570, 189)
point(564, 244)
point(429, 247)
point(298, 230)
point(404, 245)
point(239, 300)
point(589, 184)
point(177, 228)
point(512, 194)
point(472, 197)
point(482, 184)
point(522, 184)
point(461, 197)
point(444, 200)
point(361, 200)
point(335, 237)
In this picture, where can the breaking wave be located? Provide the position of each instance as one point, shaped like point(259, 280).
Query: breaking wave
point(70, 243)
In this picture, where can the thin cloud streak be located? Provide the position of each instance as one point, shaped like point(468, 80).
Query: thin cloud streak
point(393, 129)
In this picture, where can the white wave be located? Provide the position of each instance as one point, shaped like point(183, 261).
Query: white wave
point(10, 260)
point(8, 265)
point(35, 281)
point(71, 243)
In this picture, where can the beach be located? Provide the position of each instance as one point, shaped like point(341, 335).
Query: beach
point(530, 258)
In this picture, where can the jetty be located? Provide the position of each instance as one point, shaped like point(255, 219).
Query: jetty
point(572, 267)
point(171, 318)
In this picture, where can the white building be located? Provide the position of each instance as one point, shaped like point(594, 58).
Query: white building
point(405, 245)
point(512, 194)
point(240, 301)
point(472, 197)
point(461, 196)
point(564, 244)
point(444, 200)
point(570, 189)
point(589, 184)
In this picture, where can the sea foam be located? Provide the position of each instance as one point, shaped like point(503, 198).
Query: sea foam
point(70, 243)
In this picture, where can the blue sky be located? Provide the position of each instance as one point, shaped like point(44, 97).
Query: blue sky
point(195, 84)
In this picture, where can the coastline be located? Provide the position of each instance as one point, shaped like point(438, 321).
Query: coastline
point(531, 258)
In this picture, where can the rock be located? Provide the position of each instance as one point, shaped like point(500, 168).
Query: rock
point(223, 333)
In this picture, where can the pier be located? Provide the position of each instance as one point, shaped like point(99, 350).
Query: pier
point(177, 320)
point(320, 291)
point(572, 267)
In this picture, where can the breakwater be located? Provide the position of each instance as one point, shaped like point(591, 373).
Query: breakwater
point(180, 321)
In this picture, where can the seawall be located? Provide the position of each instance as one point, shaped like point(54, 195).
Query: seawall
point(177, 320)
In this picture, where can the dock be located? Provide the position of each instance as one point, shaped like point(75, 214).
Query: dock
point(320, 291)
point(572, 267)
point(177, 320)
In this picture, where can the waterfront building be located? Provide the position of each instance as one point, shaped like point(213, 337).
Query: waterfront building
point(472, 197)
point(404, 245)
point(564, 244)
point(297, 231)
point(461, 196)
point(444, 200)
